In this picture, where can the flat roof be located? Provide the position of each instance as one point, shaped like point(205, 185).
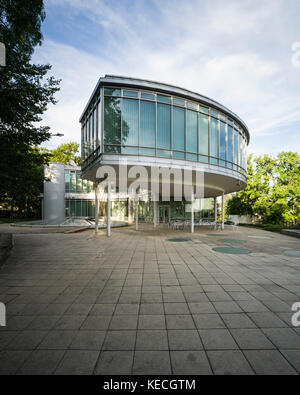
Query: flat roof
point(164, 88)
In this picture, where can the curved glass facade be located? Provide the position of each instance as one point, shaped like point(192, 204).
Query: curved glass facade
point(140, 122)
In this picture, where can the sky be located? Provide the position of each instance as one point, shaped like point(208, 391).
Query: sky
point(244, 54)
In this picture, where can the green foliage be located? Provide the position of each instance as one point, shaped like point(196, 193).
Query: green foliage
point(25, 92)
point(66, 153)
point(273, 189)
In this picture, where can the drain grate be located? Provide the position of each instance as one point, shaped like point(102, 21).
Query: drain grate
point(179, 239)
point(234, 241)
point(292, 252)
point(231, 250)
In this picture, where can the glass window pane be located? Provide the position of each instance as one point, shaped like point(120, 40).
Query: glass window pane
point(99, 124)
point(203, 134)
point(147, 151)
point(84, 186)
point(164, 99)
point(130, 122)
point(229, 144)
point(214, 138)
point(112, 121)
point(235, 147)
point(67, 207)
point(178, 102)
point(78, 182)
point(214, 113)
point(130, 150)
point(223, 140)
point(163, 152)
point(178, 128)
point(191, 157)
point(112, 92)
point(192, 105)
point(203, 158)
point(130, 93)
point(147, 124)
point(163, 125)
point(203, 109)
point(67, 181)
point(191, 131)
point(178, 155)
point(84, 208)
point(72, 208)
point(148, 96)
point(112, 149)
point(72, 181)
point(78, 208)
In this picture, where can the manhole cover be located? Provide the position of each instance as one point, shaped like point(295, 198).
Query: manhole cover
point(292, 252)
point(231, 241)
point(230, 250)
point(260, 237)
point(179, 239)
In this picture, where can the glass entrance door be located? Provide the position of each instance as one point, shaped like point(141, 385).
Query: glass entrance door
point(164, 214)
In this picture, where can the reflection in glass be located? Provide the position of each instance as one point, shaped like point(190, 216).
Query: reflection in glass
point(163, 125)
point(130, 122)
point(112, 122)
point(191, 131)
point(203, 134)
point(222, 141)
point(147, 124)
point(214, 138)
point(178, 128)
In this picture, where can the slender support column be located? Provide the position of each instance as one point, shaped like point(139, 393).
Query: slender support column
point(96, 209)
point(222, 210)
point(192, 213)
point(136, 215)
point(216, 210)
point(129, 211)
point(155, 214)
point(108, 211)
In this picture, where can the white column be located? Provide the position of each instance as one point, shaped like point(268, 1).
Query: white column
point(136, 215)
point(222, 210)
point(192, 213)
point(108, 211)
point(216, 210)
point(129, 211)
point(96, 208)
point(155, 213)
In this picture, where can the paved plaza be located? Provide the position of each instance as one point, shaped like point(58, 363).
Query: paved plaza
point(137, 303)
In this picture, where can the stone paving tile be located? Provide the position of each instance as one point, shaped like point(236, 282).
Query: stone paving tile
point(201, 307)
point(285, 338)
point(152, 340)
point(88, 340)
point(44, 322)
point(79, 309)
point(269, 362)
point(205, 321)
point(152, 322)
point(227, 307)
point(114, 362)
point(42, 362)
point(251, 339)
point(184, 339)
point(151, 362)
point(6, 337)
point(69, 322)
point(190, 363)
point(236, 321)
point(11, 361)
point(267, 320)
point(176, 308)
point(78, 362)
point(293, 356)
point(179, 321)
point(127, 309)
point(26, 340)
point(217, 339)
point(123, 322)
point(151, 308)
point(96, 322)
point(119, 340)
point(229, 363)
point(57, 340)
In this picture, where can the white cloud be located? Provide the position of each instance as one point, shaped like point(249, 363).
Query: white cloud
point(237, 53)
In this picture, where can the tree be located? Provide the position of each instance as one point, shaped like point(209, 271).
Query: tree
point(66, 154)
point(25, 92)
point(273, 189)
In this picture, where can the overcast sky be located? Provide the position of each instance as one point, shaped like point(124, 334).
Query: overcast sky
point(238, 52)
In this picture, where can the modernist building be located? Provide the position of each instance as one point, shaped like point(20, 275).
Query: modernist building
point(153, 124)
